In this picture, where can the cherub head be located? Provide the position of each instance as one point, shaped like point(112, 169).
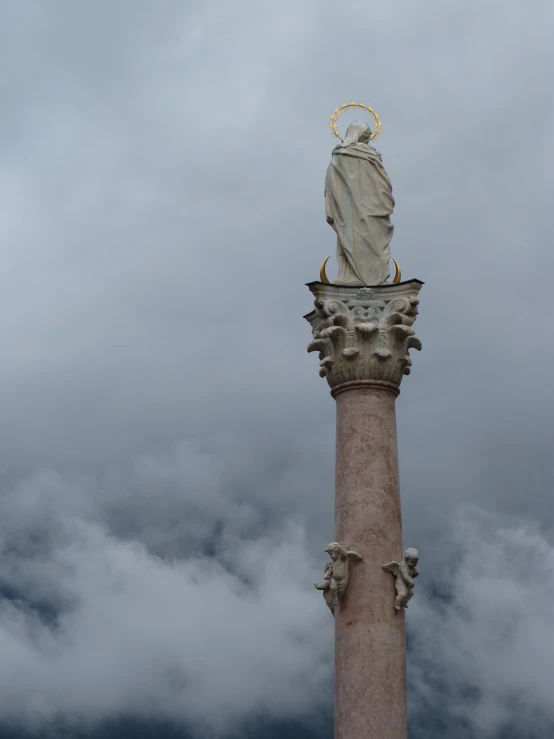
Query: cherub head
point(335, 549)
point(411, 556)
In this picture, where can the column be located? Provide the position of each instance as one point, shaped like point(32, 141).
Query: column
point(363, 336)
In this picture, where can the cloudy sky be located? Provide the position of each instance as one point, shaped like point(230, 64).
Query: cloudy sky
point(167, 447)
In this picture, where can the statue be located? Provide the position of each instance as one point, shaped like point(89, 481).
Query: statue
point(405, 572)
point(335, 579)
point(325, 586)
point(358, 205)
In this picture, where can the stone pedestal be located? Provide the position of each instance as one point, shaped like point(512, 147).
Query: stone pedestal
point(363, 336)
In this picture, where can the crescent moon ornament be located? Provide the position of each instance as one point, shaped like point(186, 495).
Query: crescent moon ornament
point(322, 275)
point(348, 106)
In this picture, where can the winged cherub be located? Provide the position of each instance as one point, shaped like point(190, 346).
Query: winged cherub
point(335, 579)
point(404, 572)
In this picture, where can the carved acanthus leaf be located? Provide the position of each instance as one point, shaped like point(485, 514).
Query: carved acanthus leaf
point(364, 334)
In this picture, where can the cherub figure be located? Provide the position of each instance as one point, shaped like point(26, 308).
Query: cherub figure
point(335, 580)
point(325, 586)
point(404, 572)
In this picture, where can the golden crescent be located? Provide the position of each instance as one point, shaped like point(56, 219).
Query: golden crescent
point(322, 275)
point(398, 275)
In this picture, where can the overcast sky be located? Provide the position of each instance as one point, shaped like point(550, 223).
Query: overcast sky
point(167, 446)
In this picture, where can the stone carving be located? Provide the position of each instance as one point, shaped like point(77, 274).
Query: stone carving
point(335, 579)
point(325, 586)
point(404, 572)
point(358, 205)
point(365, 293)
point(364, 334)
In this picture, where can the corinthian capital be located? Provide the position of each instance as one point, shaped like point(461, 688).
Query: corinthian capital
point(364, 334)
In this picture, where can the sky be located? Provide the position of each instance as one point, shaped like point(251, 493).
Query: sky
point(167, 446)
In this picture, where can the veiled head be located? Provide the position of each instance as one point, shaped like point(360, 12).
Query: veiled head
point(357, 132)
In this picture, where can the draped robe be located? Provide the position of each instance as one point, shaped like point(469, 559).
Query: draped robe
point(358, 205)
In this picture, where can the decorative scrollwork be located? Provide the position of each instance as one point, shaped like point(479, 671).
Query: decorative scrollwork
point(364, 334)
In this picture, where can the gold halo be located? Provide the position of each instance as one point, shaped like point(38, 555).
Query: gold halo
point(347, 106)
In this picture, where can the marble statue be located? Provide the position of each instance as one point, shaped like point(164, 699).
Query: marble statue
point(358, 205)
point(404, 572)
point(335, 579)
point(325, 586)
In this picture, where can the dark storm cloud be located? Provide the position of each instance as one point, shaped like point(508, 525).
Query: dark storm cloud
point(167, 446)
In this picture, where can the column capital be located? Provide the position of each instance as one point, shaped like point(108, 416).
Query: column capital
point(364, 334)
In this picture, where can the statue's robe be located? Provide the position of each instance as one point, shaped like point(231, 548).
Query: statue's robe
point(358, 205)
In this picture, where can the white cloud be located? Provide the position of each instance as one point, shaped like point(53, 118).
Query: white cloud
point(97, 625)
point(207, 644)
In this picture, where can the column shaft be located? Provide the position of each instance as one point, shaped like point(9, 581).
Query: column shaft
point(370, 641)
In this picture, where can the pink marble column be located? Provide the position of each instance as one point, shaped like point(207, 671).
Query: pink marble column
point(370, 641)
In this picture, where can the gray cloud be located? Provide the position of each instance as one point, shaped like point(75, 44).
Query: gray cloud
point(487, 647)
point(163, 208)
